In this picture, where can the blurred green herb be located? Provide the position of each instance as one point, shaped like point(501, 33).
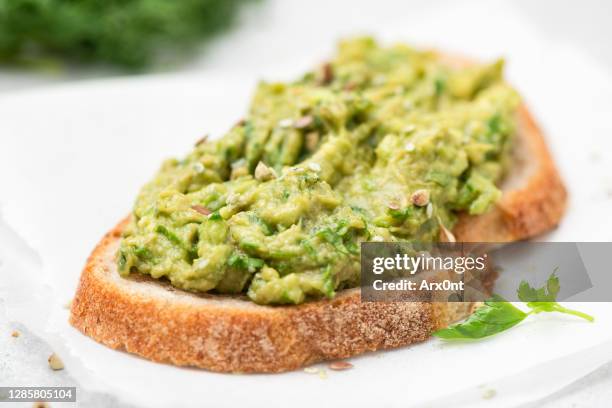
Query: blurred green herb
point(498, 315)
point(127, 33)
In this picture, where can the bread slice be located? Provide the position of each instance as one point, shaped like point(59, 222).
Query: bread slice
point(222, 333)
point(152, 319)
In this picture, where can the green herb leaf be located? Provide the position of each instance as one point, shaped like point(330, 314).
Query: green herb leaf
point(215, 216)
point(547, 293)
point(498, 315)
point(402, 213)
point(243, 261)
point(439, 86)
point(307, 245)
point(192, 250)
point(494, 317)
point(544, 299)
point(171, 236)
point(143, 253)
point(328, 286)
point(122, 260)
point(340, 236)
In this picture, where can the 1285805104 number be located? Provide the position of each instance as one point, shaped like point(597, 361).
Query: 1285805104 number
point(34, 394)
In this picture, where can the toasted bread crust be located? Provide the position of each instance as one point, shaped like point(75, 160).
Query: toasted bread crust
point(226, 334)
point(229, 334)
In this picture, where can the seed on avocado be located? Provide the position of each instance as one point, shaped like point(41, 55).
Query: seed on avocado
point(420, 198)
point(263, 172)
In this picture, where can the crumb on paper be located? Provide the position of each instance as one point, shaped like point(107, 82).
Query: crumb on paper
point(340, 365)
point(68, 304)
point(15, 333)
point(311, 370)
point(488, 393)
point(314, 370)
point(55, 362)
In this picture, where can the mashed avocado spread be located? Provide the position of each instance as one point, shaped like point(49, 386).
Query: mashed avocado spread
point(380, 144)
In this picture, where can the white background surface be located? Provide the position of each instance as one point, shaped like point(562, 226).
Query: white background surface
point(55, 139)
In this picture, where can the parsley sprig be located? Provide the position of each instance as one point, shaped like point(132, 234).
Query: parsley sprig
point(498, 315)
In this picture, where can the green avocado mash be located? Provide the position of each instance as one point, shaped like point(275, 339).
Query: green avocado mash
point(381, 144)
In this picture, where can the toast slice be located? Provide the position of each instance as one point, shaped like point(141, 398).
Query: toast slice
point(233, 334)
point(152, 319)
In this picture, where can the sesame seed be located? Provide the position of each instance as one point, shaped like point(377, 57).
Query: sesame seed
point(232, 198)
point(409, 128)
point(393, 205)
point(311, 140)
point(263, 172)
point(303, 122)
point(198, 167)
point(201, 209)
point(202, 140)
point(285, 123)
point(379, 79)
point(314, 166)
point(326, 75)
point(201, 263)
point(448, 236)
